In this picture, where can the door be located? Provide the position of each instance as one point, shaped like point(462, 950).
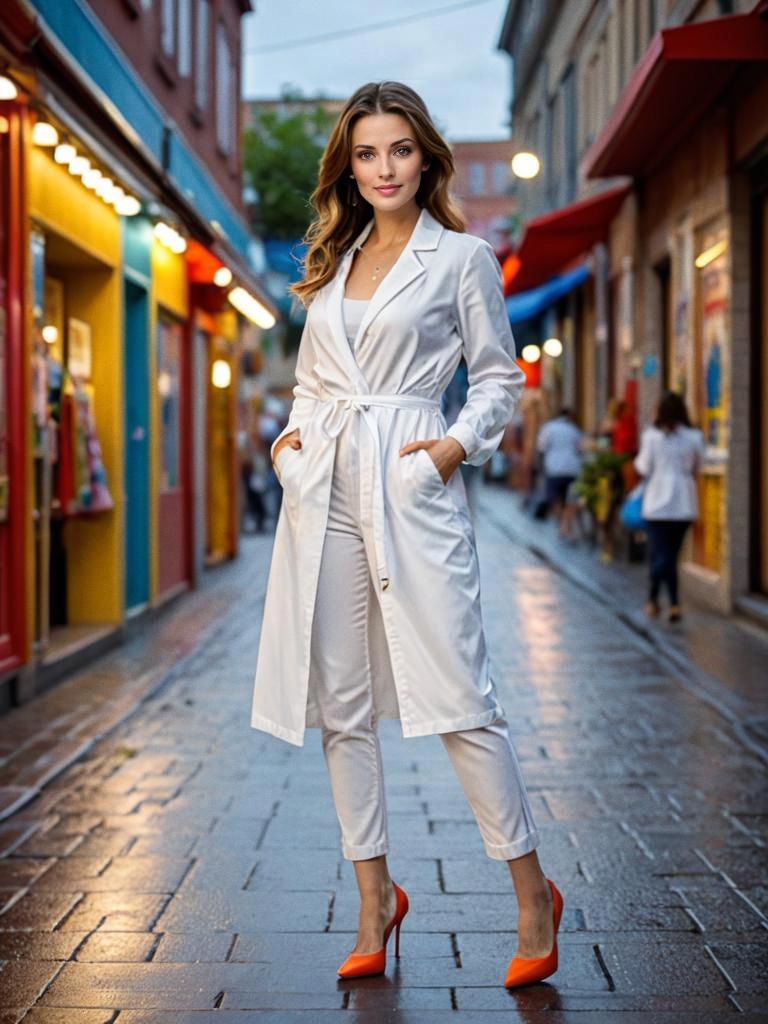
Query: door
point(137, 447)
point(173, 570)
point(759, 545)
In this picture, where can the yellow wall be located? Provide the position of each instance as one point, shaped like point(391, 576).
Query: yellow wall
point(60, 201)
point(222, 485)
point(61, 206)
point(170, 289)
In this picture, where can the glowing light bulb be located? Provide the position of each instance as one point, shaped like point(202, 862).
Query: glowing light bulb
point(64, 153)
point(79, 166)
point(92, 177)
point(221, 374)
point(8, 90)
point(44, 134)
point(128, 206)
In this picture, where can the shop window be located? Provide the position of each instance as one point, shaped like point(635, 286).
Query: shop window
point(169, 342)
point(711, 362)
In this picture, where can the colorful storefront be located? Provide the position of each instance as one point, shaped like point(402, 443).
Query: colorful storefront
point(118, 468)
point(218, 332)
point(76, 393)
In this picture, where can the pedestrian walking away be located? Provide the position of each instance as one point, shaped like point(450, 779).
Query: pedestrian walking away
point(372, 608)
point(560, 443)
point(670, 456)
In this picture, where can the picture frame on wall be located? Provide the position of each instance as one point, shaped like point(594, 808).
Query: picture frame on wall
point(79, 348)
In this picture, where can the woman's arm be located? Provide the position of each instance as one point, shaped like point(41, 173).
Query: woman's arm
point(495, 380)
point(643, 459)
point(304, 392)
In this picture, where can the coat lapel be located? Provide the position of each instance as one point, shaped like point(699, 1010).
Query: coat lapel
point(425, 235)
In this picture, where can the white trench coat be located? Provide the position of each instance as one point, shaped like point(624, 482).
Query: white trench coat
point(429, 664)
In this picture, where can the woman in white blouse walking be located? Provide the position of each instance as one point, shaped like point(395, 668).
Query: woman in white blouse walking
point(670, 457)
point(372, 607)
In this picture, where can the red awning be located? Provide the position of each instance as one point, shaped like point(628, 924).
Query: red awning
point(678, 78)
point(556, 239)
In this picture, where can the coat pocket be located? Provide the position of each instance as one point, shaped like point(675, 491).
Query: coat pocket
point(283, 463)
point(431, 468)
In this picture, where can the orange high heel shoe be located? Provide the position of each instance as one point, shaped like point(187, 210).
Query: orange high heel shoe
point(358, 965)
point(527, 970)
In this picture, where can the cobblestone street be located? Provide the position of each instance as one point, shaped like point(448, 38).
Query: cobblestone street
point(186, 868)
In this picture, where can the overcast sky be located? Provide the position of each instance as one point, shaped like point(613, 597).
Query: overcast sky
point(449, 58)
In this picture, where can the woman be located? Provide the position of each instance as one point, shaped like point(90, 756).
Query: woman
point(670, 456)
point(373, 599)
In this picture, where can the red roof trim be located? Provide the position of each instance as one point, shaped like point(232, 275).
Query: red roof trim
point(554, 240)
point(680, 73)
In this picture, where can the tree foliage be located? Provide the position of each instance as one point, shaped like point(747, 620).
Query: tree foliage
point(281, 157)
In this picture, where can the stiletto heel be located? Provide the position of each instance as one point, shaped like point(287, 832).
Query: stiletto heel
point(527, 970)
point(358, 965)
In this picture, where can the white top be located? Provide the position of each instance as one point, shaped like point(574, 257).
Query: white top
point(354, 309)
point(669, 462)
point(560, 441)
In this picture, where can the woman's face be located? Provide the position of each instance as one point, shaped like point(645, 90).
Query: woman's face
point(385, 153)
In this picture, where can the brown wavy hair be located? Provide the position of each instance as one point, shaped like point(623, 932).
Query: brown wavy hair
point(338, 222)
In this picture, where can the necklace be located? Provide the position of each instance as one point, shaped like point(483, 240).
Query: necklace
point(378, 266)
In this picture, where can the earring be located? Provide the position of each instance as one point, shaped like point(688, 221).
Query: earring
point(354, 193)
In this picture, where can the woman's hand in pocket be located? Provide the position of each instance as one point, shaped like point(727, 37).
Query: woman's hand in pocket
point(446, 453)
point(292, 440)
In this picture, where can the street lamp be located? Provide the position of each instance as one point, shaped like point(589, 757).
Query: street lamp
point(525, 165)
point(553, 347)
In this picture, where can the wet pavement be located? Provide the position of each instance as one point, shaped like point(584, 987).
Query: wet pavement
point(185, 868)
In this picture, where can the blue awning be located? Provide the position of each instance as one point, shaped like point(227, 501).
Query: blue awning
point(527, 304)
point(286, 257)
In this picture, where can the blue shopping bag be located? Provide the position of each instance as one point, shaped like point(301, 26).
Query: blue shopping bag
point(631, 514)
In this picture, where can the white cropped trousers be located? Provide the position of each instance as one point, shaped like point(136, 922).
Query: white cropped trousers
point(484, 759)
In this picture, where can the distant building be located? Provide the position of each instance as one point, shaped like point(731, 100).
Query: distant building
point(645, 238)
point(485, 188)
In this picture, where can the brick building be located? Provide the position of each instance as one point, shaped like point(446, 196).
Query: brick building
point(648, 224)
point(485, 188)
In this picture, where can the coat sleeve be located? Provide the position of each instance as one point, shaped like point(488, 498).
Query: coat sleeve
point(495, 380)
point(305, 391)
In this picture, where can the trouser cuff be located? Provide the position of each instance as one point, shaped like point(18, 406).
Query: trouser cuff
point(519, 848)
point(365, 852)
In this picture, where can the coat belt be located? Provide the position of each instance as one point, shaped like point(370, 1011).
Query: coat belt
point(331, 423)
